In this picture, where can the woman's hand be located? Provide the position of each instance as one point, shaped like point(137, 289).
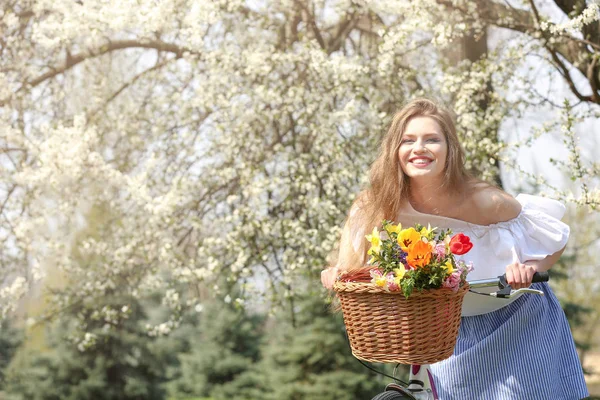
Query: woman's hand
point(519, 275)
point(328, 277)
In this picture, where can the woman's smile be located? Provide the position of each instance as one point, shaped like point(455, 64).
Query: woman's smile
point(421, 162)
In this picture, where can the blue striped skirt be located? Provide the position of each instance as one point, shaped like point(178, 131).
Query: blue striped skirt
point(524, 351)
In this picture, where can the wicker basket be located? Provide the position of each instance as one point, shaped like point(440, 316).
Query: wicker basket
point(388, 328)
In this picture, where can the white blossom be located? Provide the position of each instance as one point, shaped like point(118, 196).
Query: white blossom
point(589, 15)
point(189, 146)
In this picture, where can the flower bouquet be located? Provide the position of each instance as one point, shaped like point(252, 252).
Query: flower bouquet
point(405, 306)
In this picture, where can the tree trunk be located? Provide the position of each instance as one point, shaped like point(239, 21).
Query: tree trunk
point(473, 49)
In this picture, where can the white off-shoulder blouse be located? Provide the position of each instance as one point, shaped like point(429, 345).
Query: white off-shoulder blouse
point(534, 234)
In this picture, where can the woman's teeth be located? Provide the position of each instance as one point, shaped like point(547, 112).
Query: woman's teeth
point(421, 161)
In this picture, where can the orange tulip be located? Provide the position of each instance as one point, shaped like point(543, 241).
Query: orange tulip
point(419, 254)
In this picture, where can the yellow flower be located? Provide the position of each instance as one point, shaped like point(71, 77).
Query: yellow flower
point(375, 241)
point(399, 272)
point(393, 229)
point(407, 237)
point(427, 231)
point(381, 281)
point(449, 266)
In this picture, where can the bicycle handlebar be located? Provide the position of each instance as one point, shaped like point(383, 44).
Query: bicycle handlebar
point(542, 276)
point(505, 289)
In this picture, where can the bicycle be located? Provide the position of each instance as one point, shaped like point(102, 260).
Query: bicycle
point(421, 385)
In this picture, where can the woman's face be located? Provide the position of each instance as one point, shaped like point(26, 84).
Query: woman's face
point(423, 149)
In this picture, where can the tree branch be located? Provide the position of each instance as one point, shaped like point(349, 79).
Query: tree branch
point(132, 81)
point(571, 49)
point(564, 71)
point(75, 59)
point(343, 30)
point(312, 24)
point(10, 192)
point(111, 46)
point(592, 77)
point(567, 5)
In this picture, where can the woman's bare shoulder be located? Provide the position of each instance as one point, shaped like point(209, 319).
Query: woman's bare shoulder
point(493, 205)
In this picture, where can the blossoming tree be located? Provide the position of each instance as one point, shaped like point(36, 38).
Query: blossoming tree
point(155, 144)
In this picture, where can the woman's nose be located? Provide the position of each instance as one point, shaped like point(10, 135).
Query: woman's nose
point(420, 146)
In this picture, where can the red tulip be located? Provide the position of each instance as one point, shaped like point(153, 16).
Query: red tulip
point(460, 244)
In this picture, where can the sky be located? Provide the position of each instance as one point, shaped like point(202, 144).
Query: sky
point(537, 157)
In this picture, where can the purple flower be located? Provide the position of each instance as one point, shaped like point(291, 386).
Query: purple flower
point(400, 254)
point(463, 268)
point(452, 281)
point(375, 273)
point(469, 267)
point(440, 250)
point(391, 282)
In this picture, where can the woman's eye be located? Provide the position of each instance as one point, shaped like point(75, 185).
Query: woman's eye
point(407, 141)
point(433, 140)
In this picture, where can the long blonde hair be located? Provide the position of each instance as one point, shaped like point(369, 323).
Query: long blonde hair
point(389, 187)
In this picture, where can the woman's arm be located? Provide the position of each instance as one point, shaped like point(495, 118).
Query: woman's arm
point(347, 256)
point(499, 206)
point(329, 275)
point(519, 275)
point(503, 207)
point(546, 263)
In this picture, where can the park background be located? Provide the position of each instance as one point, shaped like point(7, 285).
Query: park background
point(175, 173)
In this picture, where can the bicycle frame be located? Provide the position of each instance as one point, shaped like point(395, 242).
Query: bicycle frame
point(420, 386)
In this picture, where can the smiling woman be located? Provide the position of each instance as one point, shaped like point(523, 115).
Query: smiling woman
point(420, 177)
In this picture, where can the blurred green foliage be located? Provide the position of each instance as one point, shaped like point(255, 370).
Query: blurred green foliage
point(225, 351)
point(121, 364)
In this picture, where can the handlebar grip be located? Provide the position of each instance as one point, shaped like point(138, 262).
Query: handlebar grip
point(541, 277)
point(537, 277)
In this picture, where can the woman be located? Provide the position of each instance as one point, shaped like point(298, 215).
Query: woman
point(522, 349)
